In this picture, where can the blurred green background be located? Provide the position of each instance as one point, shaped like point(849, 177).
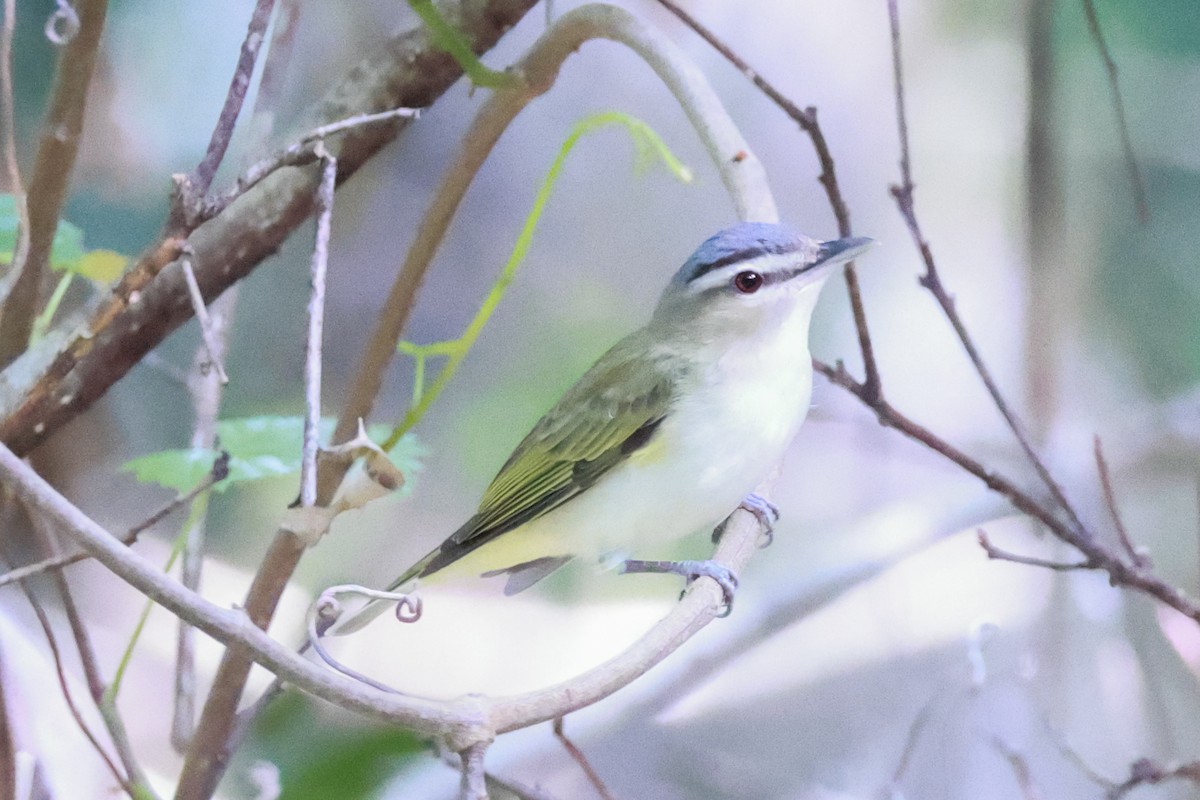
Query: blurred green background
point(874, 651)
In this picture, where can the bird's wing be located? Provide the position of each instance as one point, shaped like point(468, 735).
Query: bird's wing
point(609, 414)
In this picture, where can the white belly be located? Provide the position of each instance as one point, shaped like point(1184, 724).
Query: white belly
point(715, 447)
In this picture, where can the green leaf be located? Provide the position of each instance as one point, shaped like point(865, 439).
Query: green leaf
point(66, 250)
point(323, 754)
point(259, 448)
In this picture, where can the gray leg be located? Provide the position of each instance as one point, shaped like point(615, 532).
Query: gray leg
point(691, 570)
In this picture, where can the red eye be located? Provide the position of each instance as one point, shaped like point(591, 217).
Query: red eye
point(747, 282)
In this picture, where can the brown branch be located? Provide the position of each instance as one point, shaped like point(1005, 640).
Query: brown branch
point(1110, 500)
point(274, 71)
point(1120, 572)
point(1118, 101)
point(931, 280)
point(996, 553)
point(807, 120)
point(57, 147)
point(1020, 768)
point(65, 688)
point(201, 179)
point(46, 388)
point(1145, 772)
point(582, 760)
point(96, 685)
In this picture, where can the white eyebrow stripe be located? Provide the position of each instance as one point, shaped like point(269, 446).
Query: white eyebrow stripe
point(765, 265)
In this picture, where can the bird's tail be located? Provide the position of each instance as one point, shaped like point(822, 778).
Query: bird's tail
point(355, 620)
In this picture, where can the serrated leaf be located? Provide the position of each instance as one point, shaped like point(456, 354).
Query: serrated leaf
point(259, 447)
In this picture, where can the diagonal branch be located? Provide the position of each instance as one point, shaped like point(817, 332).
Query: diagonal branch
point(807, 120)
point(256, 32)
point(931, 280)
point(48, 386)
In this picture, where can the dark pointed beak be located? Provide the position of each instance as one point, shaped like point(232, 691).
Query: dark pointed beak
point(839, 251)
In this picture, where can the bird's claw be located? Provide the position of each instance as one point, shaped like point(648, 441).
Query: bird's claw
point(767, 514)
point(723, 575)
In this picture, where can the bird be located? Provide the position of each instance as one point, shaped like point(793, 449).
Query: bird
point(666, 434)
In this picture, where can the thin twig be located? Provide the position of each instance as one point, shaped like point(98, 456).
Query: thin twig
point(207, 334)
point(219, 472)
point(915, 730)
point(1118, 101)
point(274, 73)
point(316, 324)
point(1030, 561)
point(57, 148)
point(107, 707)
point(582, 760)
point(205, 387)
point(64, 685)
point(1020, 767)
point(297, 154)
point(202, 178)
point(1110, 500)
point(807, 120)
point(931, 280)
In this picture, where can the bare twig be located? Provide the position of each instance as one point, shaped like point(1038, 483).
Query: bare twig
point(57, 148)
point(807, 120)
point(105, 705)
point(64, 686)
point(582, 760)
point(202, 178)
point(1110, 500)
point(205, 387)
point(1110, 67)
point(931, 280)
point(274, 72)
point(219, 472)
point(316, 324)
point(207, 334)
point(1003, 555)
point(915, 731)
point(299, 153)
point(1020, 767)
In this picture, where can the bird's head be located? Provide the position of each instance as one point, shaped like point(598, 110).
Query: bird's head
point(752, 275)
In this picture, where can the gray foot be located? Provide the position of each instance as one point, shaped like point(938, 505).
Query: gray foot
point(691, 570)
point(766, 512)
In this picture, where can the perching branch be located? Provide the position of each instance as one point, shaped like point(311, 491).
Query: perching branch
point(461, 722)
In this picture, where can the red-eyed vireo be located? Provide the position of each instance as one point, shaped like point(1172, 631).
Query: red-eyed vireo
point(669, 431)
